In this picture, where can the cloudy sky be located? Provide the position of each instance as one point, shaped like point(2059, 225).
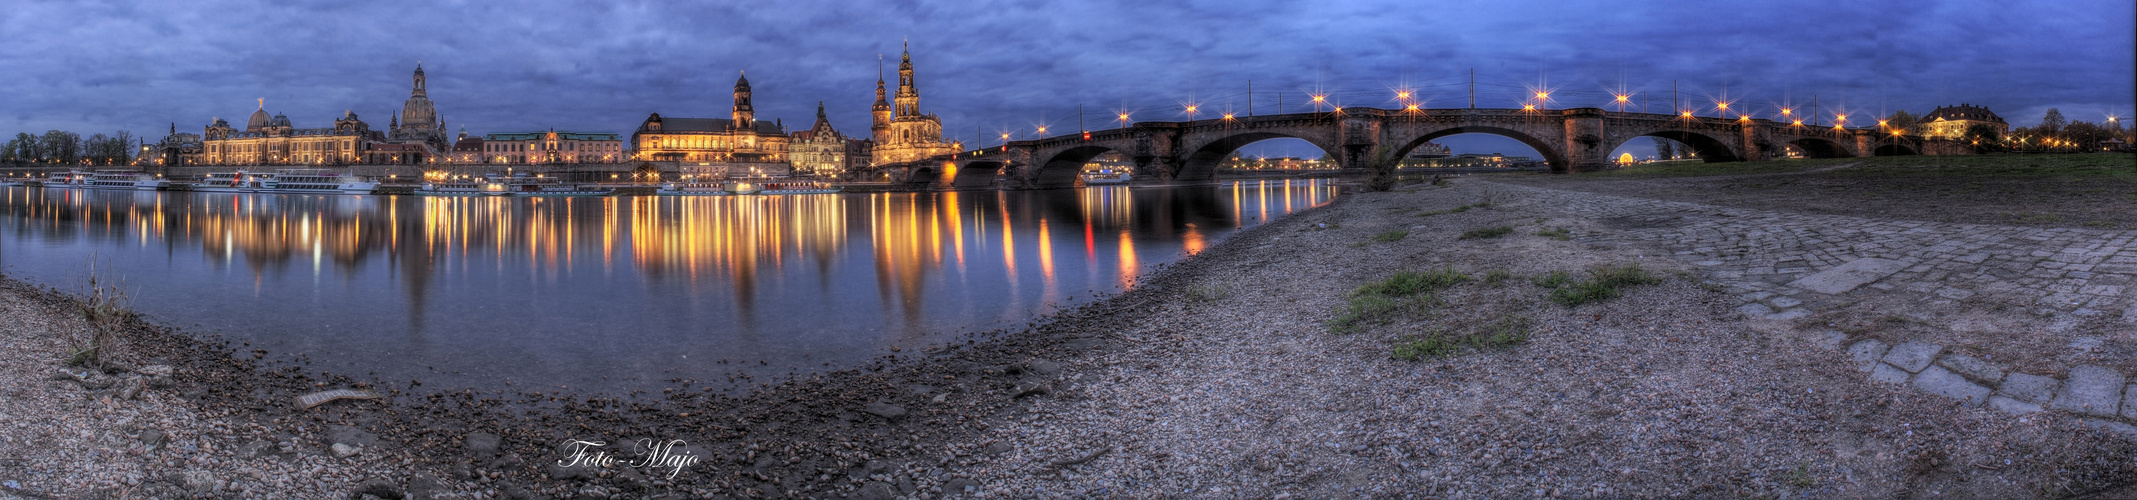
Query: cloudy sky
point(1011, 65)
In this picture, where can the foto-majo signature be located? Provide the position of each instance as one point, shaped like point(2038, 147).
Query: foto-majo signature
point(651, 454)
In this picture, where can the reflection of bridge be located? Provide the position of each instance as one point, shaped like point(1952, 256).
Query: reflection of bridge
point(1570, 140)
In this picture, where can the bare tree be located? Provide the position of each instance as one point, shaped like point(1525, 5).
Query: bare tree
point(1664, 148)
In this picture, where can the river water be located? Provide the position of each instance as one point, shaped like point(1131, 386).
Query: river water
point(612, 294)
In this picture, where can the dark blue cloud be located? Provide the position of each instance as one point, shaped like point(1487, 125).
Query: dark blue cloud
point(602, 66)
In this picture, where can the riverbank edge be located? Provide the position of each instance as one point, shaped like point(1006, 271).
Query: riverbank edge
point(878, 417)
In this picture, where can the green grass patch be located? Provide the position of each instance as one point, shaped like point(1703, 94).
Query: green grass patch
point(1456, 210)
point(1505, 332)
point(1493, 277)
point(1404, 292)
point(1391, 236)
point(1554, 279)
point(1559, 234)
point(1407, 283)
point(1485, 233)
point(1603, 283)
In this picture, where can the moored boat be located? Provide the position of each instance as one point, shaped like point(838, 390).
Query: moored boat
point(1105, 178)
point(318, 181)
point(799, 187)
point(694, 189)
point(521, 185)
point(462, 187)
point(233, 182)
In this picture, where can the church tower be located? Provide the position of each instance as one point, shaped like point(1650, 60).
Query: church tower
point(744, 115)
point(908, 96)
point(881, 130)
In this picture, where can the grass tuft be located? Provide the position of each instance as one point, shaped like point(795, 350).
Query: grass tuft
point(1507, 331)
point(1391, 236)
point(1376, 302)
point(1555, 233)
point(1486, 233)
point(104, 311)
point(1493, 277)
point(1603, 283)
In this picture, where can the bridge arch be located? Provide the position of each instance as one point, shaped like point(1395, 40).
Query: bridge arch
point(978, 174)
point(1816, 147)
point(1553, 156)
point(1202, 163)
point(1895, 149)
point(1708, 148)
point(1059, 170)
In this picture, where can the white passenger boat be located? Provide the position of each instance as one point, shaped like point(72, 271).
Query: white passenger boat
point(521, 185)
point(112, 179)
point(318, 181)
point(462, 187)
point(1105, 178)
point(233, 182)
point(799, 187)
point(694, 189)
point(71, 179)
point(744, 187)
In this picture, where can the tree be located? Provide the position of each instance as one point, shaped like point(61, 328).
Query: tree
point(1902, 121)
point(2052, 123)
point(60, 146)
point(25, 146)
point(1664, 148)
point(1984, 137)
point(2083, 133)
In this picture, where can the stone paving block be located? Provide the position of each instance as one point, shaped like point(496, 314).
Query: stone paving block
point(1866, 353)
point(1829, 339)
point(1850, 275)
point(1912, 356)
point(2036, 389)
point(1789, 314)
point(1939, 381)
point(1888, 374)
point(2126, 430)
point(2013, 406)
point(2091, 390)
point(1973, 368)
point(2129, 402)
point(1755, 309)
point(1785, 302)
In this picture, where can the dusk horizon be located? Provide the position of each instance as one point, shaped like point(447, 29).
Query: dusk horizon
point(989, 70)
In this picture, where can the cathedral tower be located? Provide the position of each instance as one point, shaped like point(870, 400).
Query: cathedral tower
point(745, 116)
point(881, 129)
point(908, 96)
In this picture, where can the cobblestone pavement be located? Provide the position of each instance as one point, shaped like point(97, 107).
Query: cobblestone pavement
point(2072, 290)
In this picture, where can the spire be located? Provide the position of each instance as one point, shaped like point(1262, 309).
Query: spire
point(744, 114)
point(819, 111)
point(419, 91)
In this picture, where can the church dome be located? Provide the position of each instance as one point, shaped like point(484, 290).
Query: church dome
point(259, 119)
point(278, 121)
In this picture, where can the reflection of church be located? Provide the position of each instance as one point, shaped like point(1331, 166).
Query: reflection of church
point(903, 133)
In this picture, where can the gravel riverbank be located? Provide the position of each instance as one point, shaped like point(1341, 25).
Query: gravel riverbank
point(1218, 377)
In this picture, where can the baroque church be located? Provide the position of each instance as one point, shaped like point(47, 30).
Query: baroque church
point(419, 122)
point(416, 136)
point(901, 132)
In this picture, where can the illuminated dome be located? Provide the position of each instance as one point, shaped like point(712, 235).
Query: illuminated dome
point(259, 119)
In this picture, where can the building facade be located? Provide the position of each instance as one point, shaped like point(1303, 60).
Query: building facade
point(467, 150)
point(820, 150)
point(901, 132)
point(709, 146)
point(1951, 122)
point(175, 150)
point(550, 147)
point(272, 140)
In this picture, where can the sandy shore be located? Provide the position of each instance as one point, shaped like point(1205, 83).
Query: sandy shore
point(1217, 377)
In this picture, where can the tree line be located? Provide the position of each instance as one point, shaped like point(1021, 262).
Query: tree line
point(61, 147)
point(2054, 133)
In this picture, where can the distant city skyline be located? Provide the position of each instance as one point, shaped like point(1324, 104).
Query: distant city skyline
point(994, 68)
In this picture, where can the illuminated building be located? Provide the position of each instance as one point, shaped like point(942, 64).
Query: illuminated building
point(820, 150)
point(1951, 122)
point(176, 149)
point(713, 146)
point(466, 150)
point(551, 147)
point(419, 122)
point(902, 133)
point(273, 141)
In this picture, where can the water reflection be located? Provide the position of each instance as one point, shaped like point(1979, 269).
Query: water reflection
point(599, 292)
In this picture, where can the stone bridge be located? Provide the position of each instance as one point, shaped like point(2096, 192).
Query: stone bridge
point(1570, 140)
